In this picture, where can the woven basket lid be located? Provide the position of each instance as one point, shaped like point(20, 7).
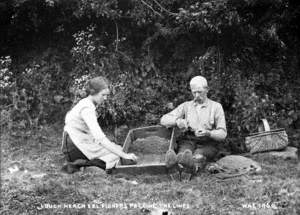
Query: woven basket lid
point(237, 162)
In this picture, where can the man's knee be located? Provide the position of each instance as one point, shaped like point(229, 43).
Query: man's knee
point(208, 152)
point(181, 152)
point(185, 145)
point(199, 158)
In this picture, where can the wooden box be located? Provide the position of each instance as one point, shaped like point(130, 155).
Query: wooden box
point(150, 162)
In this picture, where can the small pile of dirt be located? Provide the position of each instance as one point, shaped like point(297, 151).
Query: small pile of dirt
point(150, 145)
point(150, 150)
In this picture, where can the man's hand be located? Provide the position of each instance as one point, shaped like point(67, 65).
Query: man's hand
point(202, 133)
point(182, 124)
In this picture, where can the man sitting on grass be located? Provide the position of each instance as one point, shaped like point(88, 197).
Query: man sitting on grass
point(202, 125)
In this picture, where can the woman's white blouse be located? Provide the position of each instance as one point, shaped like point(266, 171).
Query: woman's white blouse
point(82, 126)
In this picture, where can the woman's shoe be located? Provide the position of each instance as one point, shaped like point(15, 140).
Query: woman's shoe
point(70, 168)
point(75, 166)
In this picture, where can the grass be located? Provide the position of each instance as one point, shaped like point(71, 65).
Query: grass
point(41, 183)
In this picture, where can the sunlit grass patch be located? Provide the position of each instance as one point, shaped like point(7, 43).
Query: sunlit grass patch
point(43, 183)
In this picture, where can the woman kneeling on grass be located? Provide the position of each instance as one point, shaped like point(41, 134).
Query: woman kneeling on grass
point(84, 143)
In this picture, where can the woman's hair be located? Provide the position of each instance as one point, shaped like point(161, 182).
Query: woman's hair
point(97, 84)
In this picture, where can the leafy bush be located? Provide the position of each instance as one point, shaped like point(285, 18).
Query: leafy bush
point(30, 93)
point(149, 51)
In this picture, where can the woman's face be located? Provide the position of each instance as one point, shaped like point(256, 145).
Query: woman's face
point(101, 96)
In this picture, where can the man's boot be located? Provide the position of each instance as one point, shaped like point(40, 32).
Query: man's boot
point(187, 165)
point(172, 165)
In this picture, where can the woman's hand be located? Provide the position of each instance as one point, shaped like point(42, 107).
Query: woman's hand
point(131, 156)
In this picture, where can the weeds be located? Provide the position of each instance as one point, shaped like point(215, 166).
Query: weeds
point(41, 183)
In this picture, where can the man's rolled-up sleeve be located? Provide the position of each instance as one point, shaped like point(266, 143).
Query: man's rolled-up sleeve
point(170, 118)
point(220, 131)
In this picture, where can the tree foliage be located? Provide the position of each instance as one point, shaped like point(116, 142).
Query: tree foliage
point(149, 49)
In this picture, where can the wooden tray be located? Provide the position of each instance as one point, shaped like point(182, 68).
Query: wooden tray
point(151, 165)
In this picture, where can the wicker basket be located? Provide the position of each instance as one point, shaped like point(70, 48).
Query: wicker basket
point(266, 140)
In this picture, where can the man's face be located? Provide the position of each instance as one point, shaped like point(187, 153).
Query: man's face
point(199, 93)
point(102, 96)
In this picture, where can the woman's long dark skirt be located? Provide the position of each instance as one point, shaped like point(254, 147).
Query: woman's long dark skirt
point(73, 154)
